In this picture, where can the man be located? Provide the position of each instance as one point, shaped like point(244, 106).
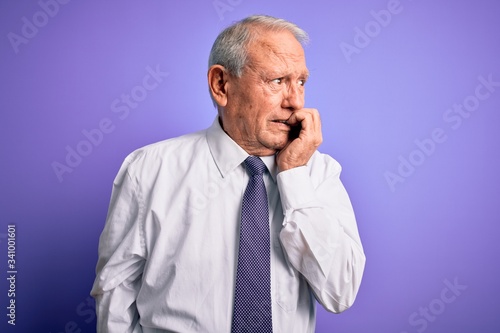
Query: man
point(186, 249)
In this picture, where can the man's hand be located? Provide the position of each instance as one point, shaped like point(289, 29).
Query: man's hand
point(298, 150)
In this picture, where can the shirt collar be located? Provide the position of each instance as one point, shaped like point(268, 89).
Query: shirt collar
point(270, 162)
point(228, 155)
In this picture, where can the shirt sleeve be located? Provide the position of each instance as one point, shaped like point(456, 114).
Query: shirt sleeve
point(319, 233)
point(121, 258)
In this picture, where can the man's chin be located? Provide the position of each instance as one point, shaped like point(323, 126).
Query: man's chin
point(277, 142)
point(280, 145)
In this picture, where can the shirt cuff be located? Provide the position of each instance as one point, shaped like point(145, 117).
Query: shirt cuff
point(296, 189)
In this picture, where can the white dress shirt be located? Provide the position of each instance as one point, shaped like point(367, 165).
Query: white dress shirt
point(168, 251)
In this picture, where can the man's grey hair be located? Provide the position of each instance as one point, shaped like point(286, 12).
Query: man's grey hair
point(230, 47)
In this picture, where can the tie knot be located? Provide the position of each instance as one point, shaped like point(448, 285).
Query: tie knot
point(255, 165)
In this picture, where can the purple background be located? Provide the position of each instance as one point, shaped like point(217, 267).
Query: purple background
point(440, 224)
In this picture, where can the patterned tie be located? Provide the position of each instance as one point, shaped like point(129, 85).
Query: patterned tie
point(252, 298)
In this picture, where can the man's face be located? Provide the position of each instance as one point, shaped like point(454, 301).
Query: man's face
point(270, 89)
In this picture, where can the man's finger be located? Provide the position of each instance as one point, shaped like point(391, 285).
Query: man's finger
point(305, 117)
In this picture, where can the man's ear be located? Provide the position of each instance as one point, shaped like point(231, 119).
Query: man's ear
point(217, 83)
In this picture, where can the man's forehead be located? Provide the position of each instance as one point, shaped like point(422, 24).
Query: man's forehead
point(275, 41)
point(277, 49)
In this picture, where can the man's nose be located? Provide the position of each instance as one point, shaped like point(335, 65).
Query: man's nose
point(293, 98)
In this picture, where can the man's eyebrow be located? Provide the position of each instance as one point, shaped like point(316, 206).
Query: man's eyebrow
point(304, 74)
point(283, 73)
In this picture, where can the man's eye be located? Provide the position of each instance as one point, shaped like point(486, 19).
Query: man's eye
point(277, 81)
point(302, 82)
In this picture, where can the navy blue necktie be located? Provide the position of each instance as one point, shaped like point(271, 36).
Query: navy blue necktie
point(252, 298)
